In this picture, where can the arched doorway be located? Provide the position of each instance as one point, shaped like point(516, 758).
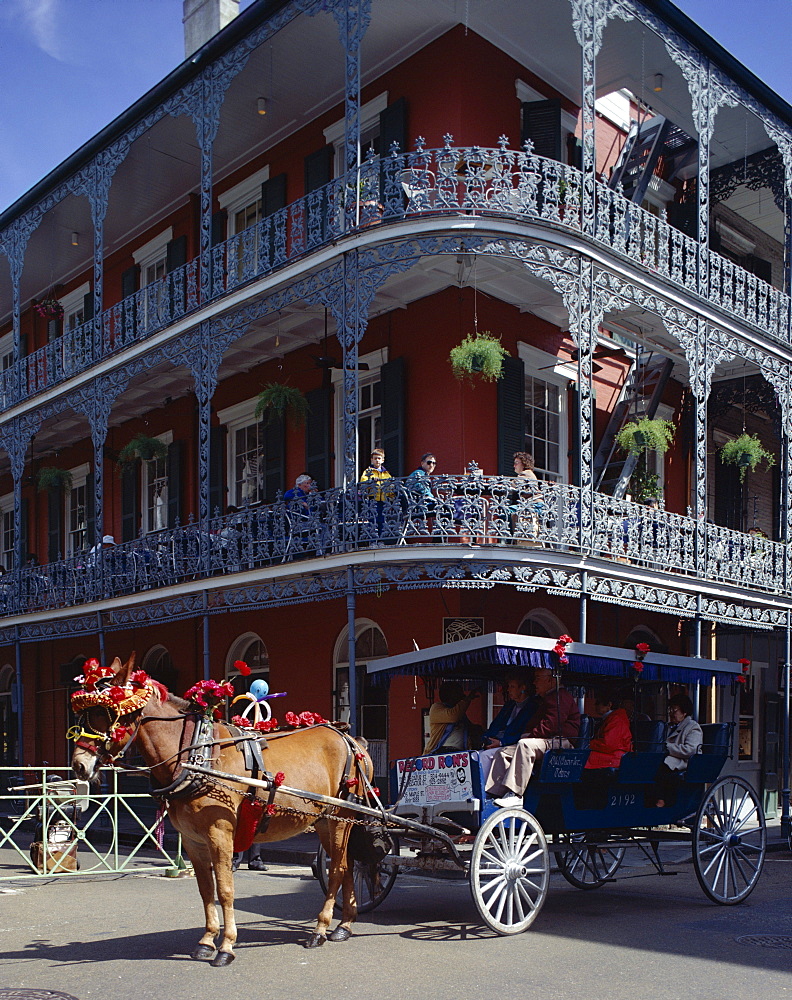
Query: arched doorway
point(251, 650)
point(372, 712)
point(158, 664)
point(8, 718)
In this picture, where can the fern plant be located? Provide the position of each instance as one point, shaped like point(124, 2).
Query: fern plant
point(143, 448)
point(746, 452)
point(277, 400)
point(479, 354)
point(646, 435)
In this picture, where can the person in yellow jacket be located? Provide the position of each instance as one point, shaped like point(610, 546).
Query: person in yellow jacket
point(372, 480)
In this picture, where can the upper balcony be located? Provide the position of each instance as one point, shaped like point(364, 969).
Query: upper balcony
point(502, 519)
point(388, 199)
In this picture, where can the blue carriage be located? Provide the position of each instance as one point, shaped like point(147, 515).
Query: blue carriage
point(441, 820)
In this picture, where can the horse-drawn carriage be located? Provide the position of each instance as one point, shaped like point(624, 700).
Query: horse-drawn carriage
point(217, 779)
point(585, 820)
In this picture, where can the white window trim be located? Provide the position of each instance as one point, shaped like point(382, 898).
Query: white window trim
point(7, 344)
point(548, 368)
point(167, 439)
point(153, 251)
point(375, 360)
point(369, 116)
point(234, 418)
point(7, 507)
point(525, 92)
point(74, 301)
point(241, 195)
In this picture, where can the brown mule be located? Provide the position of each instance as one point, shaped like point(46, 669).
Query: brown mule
point(316, 760)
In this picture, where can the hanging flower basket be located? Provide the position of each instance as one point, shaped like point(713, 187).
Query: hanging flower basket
point(646, 434)
point(479, 354)
point(49, 479)
point(277, 400)
point(142, 448)
point(746, 452)
point(49, 308)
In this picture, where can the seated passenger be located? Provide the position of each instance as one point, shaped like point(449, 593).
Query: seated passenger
point(554, 723)
point(612, 738)
point(683, 740)
point(509, 724)
point(450, 728)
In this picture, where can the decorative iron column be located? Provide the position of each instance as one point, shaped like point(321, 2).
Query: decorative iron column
point(588, 19)
point(585, 317)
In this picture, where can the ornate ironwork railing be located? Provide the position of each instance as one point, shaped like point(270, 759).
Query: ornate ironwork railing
point(54, 827)
point(471, 180)
point(453, 511)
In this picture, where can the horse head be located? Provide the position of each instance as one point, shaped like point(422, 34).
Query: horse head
point(109, 707)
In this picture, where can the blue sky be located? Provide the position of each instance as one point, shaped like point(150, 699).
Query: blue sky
point(68, 67)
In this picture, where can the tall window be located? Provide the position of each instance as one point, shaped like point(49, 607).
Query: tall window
point(369, 132)
point(77, 512)
point(155, 478)
point(153, 262)
point(251, 650)
point(244, 207)
point(7, 525)
point(546, 384)
point(247, 455)
point(369, 428)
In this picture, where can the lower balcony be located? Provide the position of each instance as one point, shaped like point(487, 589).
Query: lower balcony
point(468, 512)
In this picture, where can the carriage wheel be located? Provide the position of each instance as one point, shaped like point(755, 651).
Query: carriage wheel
point(729, 841)
point(509, 871)
point(372, 882)
point(588, 866)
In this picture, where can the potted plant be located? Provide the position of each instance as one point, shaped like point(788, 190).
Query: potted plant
point(479, 354)
point(277, 399)
point(143, 448)
point(745, 451)
point(49, 308)
point(646, 434)
point(49, 478)
point(644, 486)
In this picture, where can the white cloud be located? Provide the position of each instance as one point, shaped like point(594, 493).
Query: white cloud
point(41, 17)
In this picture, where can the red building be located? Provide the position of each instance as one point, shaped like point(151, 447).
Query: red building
point(330, 197)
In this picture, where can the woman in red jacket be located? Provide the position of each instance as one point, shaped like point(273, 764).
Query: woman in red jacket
point(612, 738)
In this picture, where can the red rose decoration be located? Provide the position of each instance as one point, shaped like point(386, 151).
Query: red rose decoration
point(360, 756)
point(117, 694)
point(638, 667)
point(307, 718)
point(742, 679)
point(265, 725)
point(139, 677)
point(271, 809)
point(242, 667)
point(119, 734)
point(643, 647)
point(279, 778)
point(375, 789)
point(292, 719)
point(240, 720)
point(351, 783)
point(565, 639)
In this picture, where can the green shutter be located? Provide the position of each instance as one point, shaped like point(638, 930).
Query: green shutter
point(23, 543)
point(218, 228)
point(393, 128)
point(511, 414)
point(129, 281)
point(392, 379)
point(88, 306)
point(317, 437)
point(217, 468)
point(54, 524)
point(130, 501)
point(541, 123)
point(273, 472)
point(318, 172)
point(573, 455)
point(90, 512)
point(174, 469)
point(273, 199)
point(176, 253)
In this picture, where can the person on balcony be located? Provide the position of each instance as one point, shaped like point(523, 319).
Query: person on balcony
point(301, 494)
point(373, 489)
point(449, 727)
point(419, 485)
point(525, 510)
point(555, 722)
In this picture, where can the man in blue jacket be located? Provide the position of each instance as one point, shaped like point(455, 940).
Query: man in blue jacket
point(509, 724)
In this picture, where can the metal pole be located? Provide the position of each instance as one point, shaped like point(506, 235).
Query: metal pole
point(100, 630)
point(786, 828)
point(20, 699)
point(583, 625)
point(206, 662)
point(697, 653)
point(353, 695)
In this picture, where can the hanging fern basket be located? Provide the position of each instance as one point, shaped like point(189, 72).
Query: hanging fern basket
point(746, 452)
point(278, 400)
point(49, 479)
point(646, 435)
point(142, 448)
point(479, 355)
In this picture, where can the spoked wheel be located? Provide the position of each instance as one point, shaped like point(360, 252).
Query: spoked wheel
point(729, 841)
point(588, 866)
point(509, 871)
point(372, 882)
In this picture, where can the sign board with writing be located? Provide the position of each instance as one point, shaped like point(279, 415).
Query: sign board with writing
point(444, 777)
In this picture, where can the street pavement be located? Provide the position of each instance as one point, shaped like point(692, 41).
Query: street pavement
point(117, 937)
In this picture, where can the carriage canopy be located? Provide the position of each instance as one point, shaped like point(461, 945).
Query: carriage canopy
point(486, 656)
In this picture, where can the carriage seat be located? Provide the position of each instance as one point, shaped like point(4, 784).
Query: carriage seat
point(716, 738)
point(649, 736)
point(586, 731)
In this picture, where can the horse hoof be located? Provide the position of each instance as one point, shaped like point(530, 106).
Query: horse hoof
point(340, 934)
point(315, 940)
point(203, 951)
point(223, 958)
